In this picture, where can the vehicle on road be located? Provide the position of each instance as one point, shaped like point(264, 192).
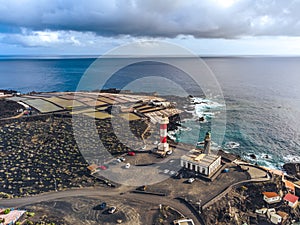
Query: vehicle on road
point(112, 209)
point(103, 167)
point(131, 153)
point(191, 180)
point(103, 205)
point(118, 160)
point(122, 159)
point(127, 166)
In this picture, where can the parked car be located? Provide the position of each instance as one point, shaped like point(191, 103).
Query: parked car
point(131, 153)
point(112, 209)
point(122, 159)
point(103, 205)
point(169, 152)
point(191, 180)
point(127, 166)
point(103, 167)
point(119, 160)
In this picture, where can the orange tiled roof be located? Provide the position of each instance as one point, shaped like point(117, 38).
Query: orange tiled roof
point(289, 184)
point(92, 167)
point(270, 194)
point(282, 214)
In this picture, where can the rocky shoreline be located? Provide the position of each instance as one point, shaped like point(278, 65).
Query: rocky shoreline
point(292, 169)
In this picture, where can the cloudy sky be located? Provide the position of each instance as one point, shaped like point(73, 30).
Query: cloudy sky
point(206, 27)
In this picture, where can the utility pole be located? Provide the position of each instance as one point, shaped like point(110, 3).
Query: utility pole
point(55, 184)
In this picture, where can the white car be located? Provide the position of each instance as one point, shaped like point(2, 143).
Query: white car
point(122, 159)
point(119, 160)
point(172, 172)
point(169, 152)
point(191, 180)
point(112, 209)
point(127, 166)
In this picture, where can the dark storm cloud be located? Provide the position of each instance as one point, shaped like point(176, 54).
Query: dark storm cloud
point(168, 18)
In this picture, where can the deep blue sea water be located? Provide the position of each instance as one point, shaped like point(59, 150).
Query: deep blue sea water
point(262, 96)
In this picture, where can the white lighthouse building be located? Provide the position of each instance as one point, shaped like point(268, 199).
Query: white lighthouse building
point(202, 161)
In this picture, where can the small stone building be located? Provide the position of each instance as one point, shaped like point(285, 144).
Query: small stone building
point(205, 164)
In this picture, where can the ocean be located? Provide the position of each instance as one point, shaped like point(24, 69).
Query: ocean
point(262, 97)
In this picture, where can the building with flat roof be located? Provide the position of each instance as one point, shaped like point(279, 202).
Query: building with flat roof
point(10, 218)
point(184, 222)
point(202, 160)
point(206, 164)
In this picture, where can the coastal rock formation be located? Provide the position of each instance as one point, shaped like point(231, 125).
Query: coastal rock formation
point(292, 169)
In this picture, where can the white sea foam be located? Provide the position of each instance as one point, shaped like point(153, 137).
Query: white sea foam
point(262, 160)
point(292, 158)
point(231, 145)
point(204, 107)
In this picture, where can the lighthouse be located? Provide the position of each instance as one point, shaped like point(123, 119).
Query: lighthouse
point(207, 141)
point(163, 145)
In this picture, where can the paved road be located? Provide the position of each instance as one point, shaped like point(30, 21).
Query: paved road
point(100, 192)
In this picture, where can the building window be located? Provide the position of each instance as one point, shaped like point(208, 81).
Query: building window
point(193, 167)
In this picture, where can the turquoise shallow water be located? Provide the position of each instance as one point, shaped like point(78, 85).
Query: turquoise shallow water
point(262, 96)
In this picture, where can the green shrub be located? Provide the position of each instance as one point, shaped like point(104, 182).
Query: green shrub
point(6, 211)
point(28, 222)
point(30, 214)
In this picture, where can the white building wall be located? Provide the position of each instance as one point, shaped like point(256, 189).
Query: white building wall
point(207, 170)
point(276, 219)
point(293, 205)
point(272, 200)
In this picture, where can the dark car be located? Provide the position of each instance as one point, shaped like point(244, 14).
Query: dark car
point(103, 205)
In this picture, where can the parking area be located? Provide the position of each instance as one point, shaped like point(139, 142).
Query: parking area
point(198, 190)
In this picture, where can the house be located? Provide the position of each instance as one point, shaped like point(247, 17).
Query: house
point(270, 211)
point(273, 217)
point(93, 168)
point(291, 199)
point(289, 185)
point(183, 222)
point(284, 216)
point(271, 197)
point(261, 211)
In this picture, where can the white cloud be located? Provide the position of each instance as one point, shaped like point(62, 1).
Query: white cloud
point(151, 18)
point(206, 27)
point(48, 38)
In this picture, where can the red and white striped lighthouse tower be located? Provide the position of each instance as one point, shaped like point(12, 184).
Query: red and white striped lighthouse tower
point(163, 145)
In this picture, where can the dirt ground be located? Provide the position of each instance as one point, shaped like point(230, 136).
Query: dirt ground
point(83, 210)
